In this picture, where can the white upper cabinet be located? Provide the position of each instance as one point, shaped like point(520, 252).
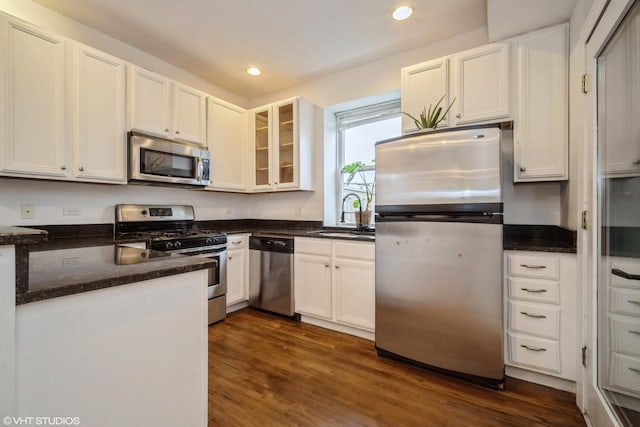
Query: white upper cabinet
point(189, 114)
point(33, 121)
point(476, 82)
point(227, 138)
point(541, 113)
point(281, 146)
point(619, 127)
point(423, 85)
point(99, 134)
point(63, 108)
point(168, 109)
point(480, 84)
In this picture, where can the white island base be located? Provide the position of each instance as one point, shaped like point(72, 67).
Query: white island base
point(130, 355)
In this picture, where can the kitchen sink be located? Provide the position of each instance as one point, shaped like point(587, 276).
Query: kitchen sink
point(344, 234)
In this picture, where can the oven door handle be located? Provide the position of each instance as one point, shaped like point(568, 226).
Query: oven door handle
point(203, 252)
point(200, 169)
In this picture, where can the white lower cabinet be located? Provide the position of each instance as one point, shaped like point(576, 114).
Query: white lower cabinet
point(540, 317)
point(335, 284)
point(237, 271)
point(622, 350)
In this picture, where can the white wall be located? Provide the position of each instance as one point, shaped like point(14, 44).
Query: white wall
point(7, 330)
point(96, 202)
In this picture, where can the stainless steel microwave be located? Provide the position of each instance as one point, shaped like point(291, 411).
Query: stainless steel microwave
point(158, 160)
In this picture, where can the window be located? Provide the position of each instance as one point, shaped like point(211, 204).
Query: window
point(358, 131)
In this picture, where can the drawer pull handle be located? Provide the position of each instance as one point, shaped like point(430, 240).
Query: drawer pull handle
point(636, 370)
point(624, 274)
point(535, 348)
point(535, 316)
point(236, 243)
point(534, 291)
point(533, 267)
point(632, 301)
point(634, 332)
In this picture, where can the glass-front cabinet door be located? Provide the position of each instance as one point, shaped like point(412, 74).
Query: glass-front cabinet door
point(618, 180)
point(262, 139)
point(286, 134)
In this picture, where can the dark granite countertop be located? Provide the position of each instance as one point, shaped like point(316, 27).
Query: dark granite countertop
point(21, 235)
point(59, 272)
point(541, 238)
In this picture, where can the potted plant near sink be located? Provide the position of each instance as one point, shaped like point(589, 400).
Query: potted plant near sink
point(358, 169)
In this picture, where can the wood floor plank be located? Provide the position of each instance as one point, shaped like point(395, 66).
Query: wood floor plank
point(265, 370)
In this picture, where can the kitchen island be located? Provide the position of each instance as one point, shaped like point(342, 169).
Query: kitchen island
point(107, 335)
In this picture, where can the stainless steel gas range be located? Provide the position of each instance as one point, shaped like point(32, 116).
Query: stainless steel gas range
point(172, 229)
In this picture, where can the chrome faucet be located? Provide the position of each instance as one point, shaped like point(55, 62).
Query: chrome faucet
point(344, 199)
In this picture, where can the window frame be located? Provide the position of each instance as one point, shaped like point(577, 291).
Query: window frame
point(348, 119)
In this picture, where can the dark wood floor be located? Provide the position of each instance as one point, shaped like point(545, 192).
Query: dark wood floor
point(268, 371)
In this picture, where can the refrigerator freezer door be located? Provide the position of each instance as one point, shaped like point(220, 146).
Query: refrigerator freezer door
point(439, 295)
point(452, 167)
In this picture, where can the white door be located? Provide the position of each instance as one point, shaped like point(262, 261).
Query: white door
point(237, 262)
point(607, 207)
point(354, 285)
point(312, 278)
point(285, 157)
point(228, 141)
point(189, 114)
point(99, 115)
point(260, 132)
point(422, 86)
point(481, 84)
point(33, 123)
point(149, 97)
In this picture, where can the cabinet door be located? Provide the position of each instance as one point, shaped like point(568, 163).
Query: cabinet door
point(261, 156)
point(189, 114)
point(285, 145)
point(354, 284)
point(237, 263)
point(99, 116)
point(423, 85)
point(312, 281)
point(33, 122)
point(619, 129)
point(541, 135)
point(227, 141)
point(149, 97)
point(481, 84)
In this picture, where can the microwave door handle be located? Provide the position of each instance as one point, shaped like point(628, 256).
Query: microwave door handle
point(200, 169)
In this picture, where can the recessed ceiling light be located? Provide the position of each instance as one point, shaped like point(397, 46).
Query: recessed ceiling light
point(403, 12)
point(254, 71)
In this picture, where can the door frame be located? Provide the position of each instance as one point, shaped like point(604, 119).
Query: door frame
point(602, 21)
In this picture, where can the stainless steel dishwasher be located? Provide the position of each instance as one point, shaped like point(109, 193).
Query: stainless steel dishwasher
point(271, 274)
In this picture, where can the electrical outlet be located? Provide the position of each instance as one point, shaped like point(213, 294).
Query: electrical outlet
point(26, 211)
point(298, 212)
point(228, 212)
point(67, 211)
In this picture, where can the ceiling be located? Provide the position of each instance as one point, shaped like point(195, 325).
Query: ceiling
point(292, 41)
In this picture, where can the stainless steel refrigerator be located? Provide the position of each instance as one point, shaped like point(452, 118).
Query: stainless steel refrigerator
point(439, 251)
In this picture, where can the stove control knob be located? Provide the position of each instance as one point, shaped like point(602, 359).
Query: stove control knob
point(169, 245)
point(143, 212)
point(177, 245)
point(208, 241)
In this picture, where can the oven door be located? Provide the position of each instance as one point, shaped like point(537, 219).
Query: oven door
point(217, 284)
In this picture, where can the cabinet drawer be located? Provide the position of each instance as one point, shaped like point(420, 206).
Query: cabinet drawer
point(533, 266)
point(237, 241)
point(625, 301)
point(534, 290)
point(624, 372)
point(355, 250)
point(626, 267)
point(537, 353)
point(312, 246)
point(534, 319)
point(625, 335)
